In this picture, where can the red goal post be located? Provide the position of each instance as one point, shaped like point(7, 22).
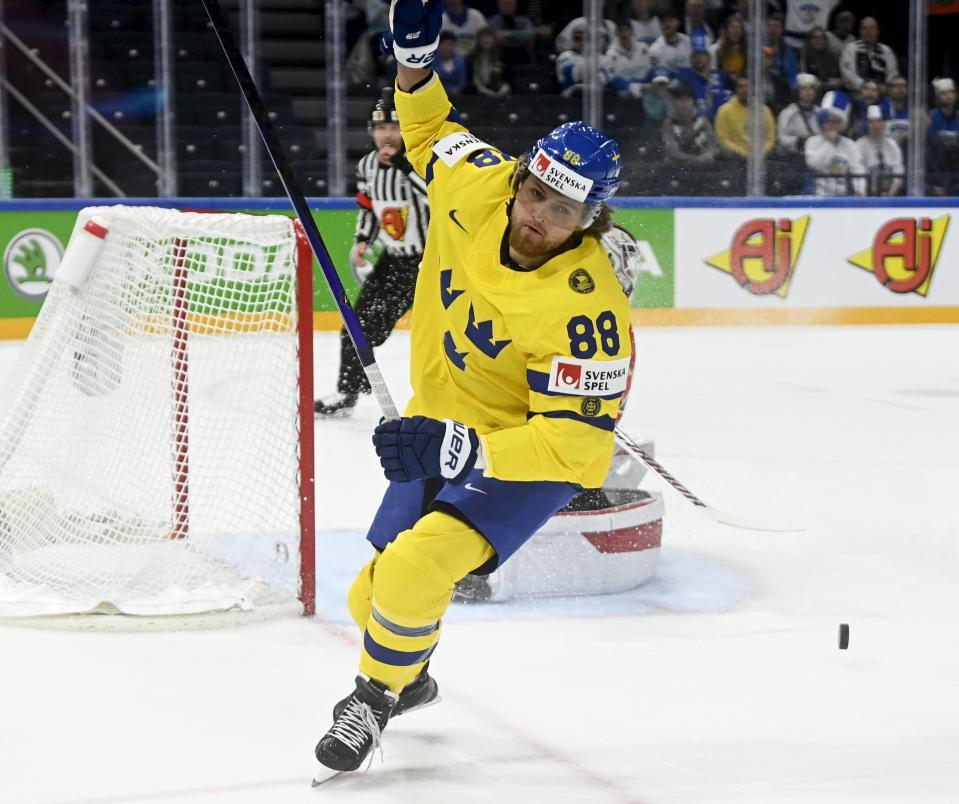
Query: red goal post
point(156, 433)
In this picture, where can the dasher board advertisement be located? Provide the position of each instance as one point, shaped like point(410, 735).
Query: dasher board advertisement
point(795, 257)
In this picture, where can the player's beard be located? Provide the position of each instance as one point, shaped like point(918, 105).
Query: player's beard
point(531, 245)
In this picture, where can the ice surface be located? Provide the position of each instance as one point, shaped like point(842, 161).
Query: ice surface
point(721, 682)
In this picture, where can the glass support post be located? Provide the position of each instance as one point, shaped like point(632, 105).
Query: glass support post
point(80, 83)
point(756, 159)
point(165, 109)
point(918, 81)
point(335, 105)
point(593, 88)
point(250, 36)
point(6, 179)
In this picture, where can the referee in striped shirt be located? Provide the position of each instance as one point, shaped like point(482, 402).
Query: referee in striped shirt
point(393, 212)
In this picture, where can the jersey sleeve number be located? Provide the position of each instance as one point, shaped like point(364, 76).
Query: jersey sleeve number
point(582, 335)
point(487, 158)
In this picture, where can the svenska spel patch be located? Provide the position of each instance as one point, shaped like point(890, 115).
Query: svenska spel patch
point(559, 177)
point(575, 377)
point(453, 147)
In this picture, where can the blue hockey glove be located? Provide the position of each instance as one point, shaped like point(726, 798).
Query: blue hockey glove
point(415, 25)
point(417, 447)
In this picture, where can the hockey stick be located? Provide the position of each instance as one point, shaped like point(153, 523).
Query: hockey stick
point(708, 511)
point(272, 144)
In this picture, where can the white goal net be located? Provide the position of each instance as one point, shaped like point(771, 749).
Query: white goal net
point(155, 458)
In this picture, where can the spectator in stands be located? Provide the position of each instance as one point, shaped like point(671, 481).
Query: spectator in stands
point(818, 60)
point(841, 34)
point(897, 93)
point(776, 86)
point(688, 137)
point(514, 32)
point(673, 48)
point(627, 61)
point(571, 64)
point(732, 122)
point(695, 25)
point(858, 109)
point(783, 64)
point(710, 85)
point(645, 24)
point(564, 41)
point(729, 53)
point(834, 159)
point(881, 157)
point(487, 70)
point(802, 17)
point(944, 139)
point(657, 101)
point(867, 58)
point(744, 12)
point(944, 119)
point(797, 122)
point(449, 64)
point(465, 22)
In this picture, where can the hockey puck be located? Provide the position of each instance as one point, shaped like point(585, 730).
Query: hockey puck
point(843, 636)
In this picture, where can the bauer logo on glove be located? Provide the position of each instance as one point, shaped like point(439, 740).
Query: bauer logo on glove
point(417, 447)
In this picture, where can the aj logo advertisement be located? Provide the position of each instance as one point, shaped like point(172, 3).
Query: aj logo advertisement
point(763, 254)
point(904, 253)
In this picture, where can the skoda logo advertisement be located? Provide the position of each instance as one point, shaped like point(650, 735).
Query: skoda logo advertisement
point(30, 262)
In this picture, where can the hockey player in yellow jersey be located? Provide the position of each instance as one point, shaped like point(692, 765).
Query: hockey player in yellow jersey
point(520, 352)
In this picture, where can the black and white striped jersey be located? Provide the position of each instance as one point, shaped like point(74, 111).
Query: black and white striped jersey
point(393, 206)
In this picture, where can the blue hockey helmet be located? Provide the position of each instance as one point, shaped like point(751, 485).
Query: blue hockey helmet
point(579, 162)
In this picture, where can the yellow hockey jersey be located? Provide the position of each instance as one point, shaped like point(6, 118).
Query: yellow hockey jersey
point(535, 361)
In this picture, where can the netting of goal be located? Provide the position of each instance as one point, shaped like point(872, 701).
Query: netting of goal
point(156, 430)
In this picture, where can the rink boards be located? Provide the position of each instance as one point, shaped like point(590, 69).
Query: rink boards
point(704, 262)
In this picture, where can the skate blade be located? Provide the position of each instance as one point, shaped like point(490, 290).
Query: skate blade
point(436, 700)
point(324, 775)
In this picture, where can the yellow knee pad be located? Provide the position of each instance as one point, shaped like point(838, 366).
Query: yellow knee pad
point(409, 587)
point(359, 598)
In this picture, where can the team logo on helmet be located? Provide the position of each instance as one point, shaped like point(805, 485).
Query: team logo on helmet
point(581, 281)
point(591, 406)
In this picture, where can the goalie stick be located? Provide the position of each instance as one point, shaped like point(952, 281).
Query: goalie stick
point(272, 144)
point(353, 327)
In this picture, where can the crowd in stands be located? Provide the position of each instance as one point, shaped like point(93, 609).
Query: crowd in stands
point(836, 120)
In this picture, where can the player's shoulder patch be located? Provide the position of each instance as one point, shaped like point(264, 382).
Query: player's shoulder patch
point(589, 378)
point(581, 281)
point(454, 147)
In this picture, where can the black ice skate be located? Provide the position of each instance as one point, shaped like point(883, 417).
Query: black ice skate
point(335, 406)
point(357, 730)
point(419, 693)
